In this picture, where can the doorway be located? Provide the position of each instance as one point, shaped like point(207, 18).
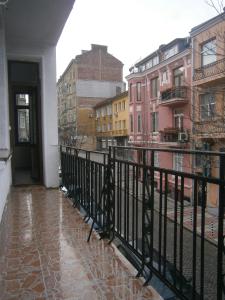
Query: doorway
point(25, 131)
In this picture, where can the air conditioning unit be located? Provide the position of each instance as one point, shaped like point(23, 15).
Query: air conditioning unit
point(182, 137)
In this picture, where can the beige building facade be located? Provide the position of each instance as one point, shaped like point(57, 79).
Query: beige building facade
point(208, 114)
point(90, 78)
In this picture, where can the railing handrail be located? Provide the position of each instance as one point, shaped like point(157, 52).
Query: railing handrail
point(184, 151)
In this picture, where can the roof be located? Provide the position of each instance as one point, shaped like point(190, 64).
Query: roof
point(160, 49)
point(209, 23)
point(110, 100)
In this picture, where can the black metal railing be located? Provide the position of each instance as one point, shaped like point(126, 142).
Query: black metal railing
point(174, 93)
point(130, 198)
point(215, 68)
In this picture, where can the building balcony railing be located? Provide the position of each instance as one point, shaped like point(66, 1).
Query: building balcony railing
point(174, 95)
point(174, 135)
point(120, 132)
point(180, 245)
point(210, 70)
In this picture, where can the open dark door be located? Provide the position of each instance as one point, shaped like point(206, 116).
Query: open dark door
point(25, 132)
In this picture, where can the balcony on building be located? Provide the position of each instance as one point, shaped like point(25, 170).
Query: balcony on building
point(174, 96)
point(210, 72)
point(173, 136)
point(120, 132)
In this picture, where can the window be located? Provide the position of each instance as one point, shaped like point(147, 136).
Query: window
point(178, 77)
point(130, 92)
point(131, 123)
point(178, 162)
point(164, 77)
point(170, 52)
point(207, 106)
point(124, 124)
point(152, 62)
point(154, 117)
point(98, 113)
point(116, 108)
point(109, 126)
point(139, 125)
point(154, 87)
point(119, 106)
point(23, 118)
point(109, 110)
point(123, 105)
point(208, 52)
point(178, 119)
point(138, 86)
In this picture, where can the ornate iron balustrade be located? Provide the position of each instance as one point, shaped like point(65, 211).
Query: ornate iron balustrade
point(120, 197)
point(174, 93)
point(209, 70)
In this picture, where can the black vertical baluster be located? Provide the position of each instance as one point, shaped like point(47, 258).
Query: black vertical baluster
point(117, 196)
point(220, 279)
point(125, 201)
point(137, 208)
point(181, 230)
point(160, 217)
point(152, 204)
point(202, 271)
point(194, 239)
point(175, 224)
point(165, 225)
point(119, 186)
point(133, 207)
point(128, 203)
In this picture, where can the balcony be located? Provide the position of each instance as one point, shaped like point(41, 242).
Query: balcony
point(174, 96)
point(211, 71)
point(120, 132)
point(171, 135)
point(44, 253)
point(183, 243)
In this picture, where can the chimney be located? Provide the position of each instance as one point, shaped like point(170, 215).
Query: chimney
point(99, 47)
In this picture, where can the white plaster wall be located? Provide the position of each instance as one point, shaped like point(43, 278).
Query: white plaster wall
point(98, 89)
point(5, 166)
point(4, 106)
point(5, 183)
point(49, 113)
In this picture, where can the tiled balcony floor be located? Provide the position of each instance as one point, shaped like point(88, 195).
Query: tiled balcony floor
point(44, 253)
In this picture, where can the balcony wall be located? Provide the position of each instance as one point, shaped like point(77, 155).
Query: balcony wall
point(209, 73)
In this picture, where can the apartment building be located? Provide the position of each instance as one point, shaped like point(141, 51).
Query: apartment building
point(111, 122)
point(208, 71)
point(120, 119)
point(160, 105)
point(103, 124)
point(90, 78)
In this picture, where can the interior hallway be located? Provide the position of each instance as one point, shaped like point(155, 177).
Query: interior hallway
point(44, 253)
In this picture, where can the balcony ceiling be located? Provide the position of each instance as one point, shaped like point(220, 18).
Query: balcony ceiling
point(33, 22)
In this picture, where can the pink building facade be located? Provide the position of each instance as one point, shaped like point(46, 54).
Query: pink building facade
point(160, 106)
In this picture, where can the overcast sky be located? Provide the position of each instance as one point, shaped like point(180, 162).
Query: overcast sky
point(131, 29)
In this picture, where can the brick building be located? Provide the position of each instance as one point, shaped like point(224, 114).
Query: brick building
point(208, 47)
point(90, 78)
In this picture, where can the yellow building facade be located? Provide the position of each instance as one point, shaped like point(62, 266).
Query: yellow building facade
point(111, 122)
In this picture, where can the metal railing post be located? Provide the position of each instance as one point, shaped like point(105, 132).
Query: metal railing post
point(220, 254)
